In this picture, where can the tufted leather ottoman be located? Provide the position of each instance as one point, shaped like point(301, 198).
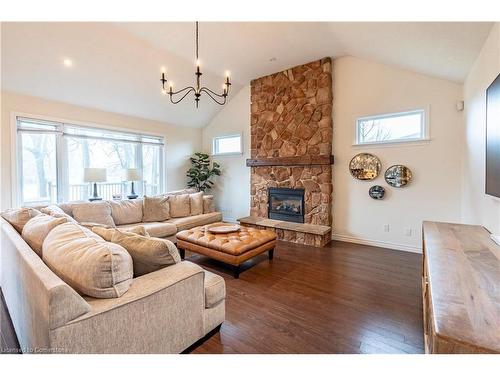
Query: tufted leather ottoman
point(231, 248)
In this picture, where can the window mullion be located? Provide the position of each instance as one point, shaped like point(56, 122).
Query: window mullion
point(62, 167)
point(139, 165)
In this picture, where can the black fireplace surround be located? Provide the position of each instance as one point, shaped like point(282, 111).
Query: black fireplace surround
point(286, 204)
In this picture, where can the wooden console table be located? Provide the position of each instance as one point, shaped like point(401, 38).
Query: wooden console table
point(461, 289)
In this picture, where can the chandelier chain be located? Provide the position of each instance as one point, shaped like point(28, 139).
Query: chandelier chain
point(197, 57)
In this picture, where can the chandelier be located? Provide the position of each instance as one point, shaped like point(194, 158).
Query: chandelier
point(198, 89)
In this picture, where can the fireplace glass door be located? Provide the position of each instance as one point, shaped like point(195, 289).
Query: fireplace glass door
point(286, 204)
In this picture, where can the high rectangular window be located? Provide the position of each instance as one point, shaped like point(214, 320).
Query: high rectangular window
point(227, 145)
point(52, 157)
point(392, 128)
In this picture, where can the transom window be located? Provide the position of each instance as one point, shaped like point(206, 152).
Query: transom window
point(227, 145)
point(398, 127)
point(52, 157)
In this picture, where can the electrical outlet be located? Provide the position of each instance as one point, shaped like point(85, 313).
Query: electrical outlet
point(408, 232)
point(386, 227)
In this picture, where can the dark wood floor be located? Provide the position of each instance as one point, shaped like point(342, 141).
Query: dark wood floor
point(344, 298)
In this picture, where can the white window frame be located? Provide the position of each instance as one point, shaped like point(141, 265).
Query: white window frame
point(424, 127)
point(16, 175)
point(217, 137)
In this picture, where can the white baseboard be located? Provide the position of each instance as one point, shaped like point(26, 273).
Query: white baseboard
point(377, 243)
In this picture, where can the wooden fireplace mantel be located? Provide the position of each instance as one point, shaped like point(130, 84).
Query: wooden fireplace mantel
point(291, 160)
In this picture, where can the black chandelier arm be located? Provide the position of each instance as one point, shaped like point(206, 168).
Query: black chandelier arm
point(207, 90)
point(184, 89)
point(214, 98)
point(189, 89)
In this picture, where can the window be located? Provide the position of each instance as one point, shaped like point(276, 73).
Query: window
point(227, 145)
point(52, 157)
point(392, 128)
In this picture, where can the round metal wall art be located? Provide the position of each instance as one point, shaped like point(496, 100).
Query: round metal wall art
point(365, 166)
point(398, 176)
point(377, 192)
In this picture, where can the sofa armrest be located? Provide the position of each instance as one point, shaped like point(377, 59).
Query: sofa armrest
point(37, 299)
point(208, 204)
point(143, 286)
point(162, 312)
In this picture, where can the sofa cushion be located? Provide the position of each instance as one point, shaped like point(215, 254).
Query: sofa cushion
point(67, 207)
point(196, 203)
point(179, 205)
point(90, 225)
point(126, 211)
point(215, 289)
point(208, 204)
point(155, 208)
point(37, 228)
point(93, 212)
point(107, 233)
point(56, 211)
point(149, 254)
point(155, 229)
point(189, 222)
point(18, 217)
point(86, 262)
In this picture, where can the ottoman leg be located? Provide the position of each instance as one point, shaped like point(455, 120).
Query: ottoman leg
point(271, 254)
point(236, 271)
point(182, 253)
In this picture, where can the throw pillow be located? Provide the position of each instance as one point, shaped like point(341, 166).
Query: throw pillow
point(91, 226)
point(93, 212)
point(179, 205)
point(86, 262)
point(149, 254)
point(155, 208)
point(208, 204)
point(126, 211)
point(56, 211)
point(18, 217)
point(196, 203)
point(37, 228)
point(106, 234)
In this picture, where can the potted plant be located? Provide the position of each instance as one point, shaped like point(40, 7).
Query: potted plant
point(202, 171)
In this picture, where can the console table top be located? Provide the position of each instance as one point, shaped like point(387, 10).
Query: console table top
point(464, 282)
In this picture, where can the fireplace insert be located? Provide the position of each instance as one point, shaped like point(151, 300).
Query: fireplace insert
point(286, 204)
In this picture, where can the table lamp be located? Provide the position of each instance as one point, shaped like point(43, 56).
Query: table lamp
point(94, 175)
point(133, 174)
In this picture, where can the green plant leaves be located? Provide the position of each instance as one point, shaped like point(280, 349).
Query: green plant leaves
point(201, 172)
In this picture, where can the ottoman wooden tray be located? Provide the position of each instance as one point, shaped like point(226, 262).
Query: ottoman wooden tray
point(232, 248)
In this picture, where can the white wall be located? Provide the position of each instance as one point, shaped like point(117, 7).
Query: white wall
point(363, 87)
point(232, 189)
point(181, 142)
point(477, 207)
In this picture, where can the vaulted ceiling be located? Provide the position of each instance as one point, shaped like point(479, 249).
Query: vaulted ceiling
point(116, 66)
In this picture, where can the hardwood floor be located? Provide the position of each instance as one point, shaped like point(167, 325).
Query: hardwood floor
point(344, 298)
point(8, 339)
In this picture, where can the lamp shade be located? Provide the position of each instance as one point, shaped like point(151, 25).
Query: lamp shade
point(133, 174)
point(94, 175)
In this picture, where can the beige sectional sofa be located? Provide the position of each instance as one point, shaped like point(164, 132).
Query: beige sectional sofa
point(127, 214)
point(164, 311)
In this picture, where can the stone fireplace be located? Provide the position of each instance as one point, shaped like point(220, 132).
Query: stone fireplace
point(291, 146)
